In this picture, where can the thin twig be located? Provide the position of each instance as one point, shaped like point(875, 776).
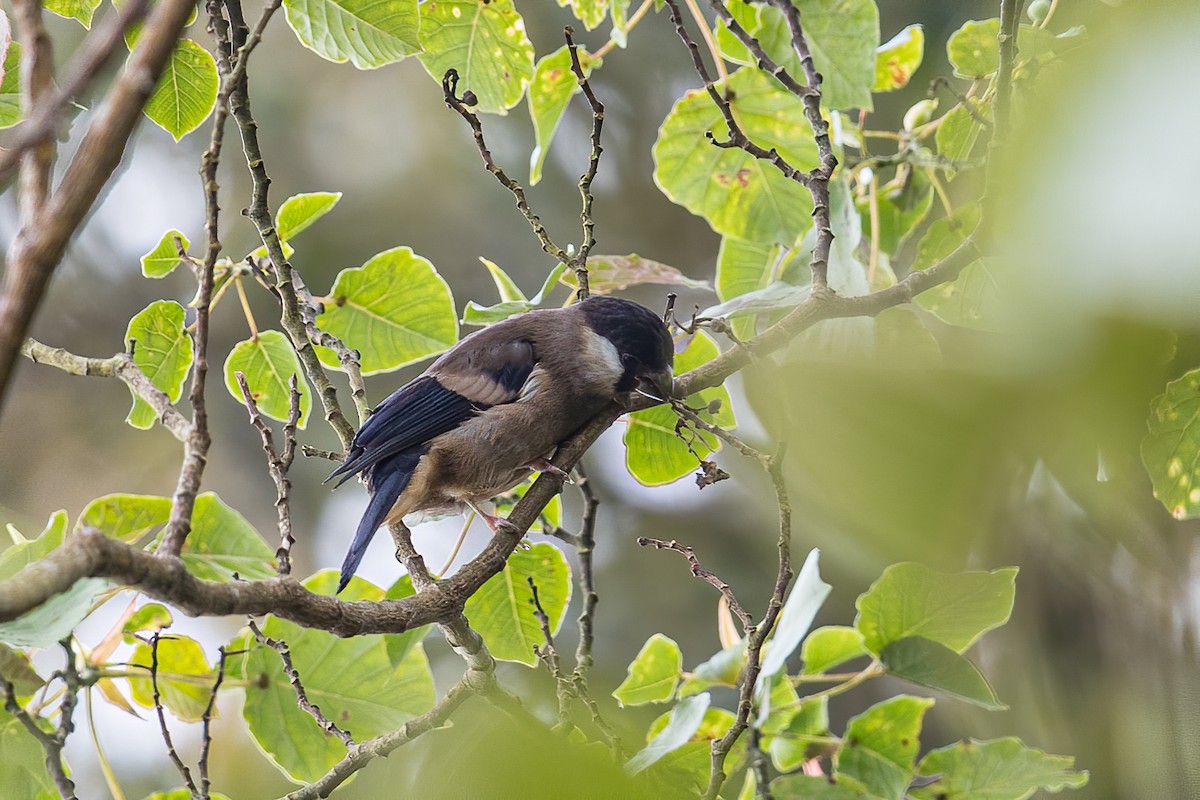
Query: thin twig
point(585, 547)
point(291, 312)
point(579, 262)
point(700, 572)
point(462, 106)
point(205, 723)
point(548, 655)
point(50, 744)
point(289, 669)
point(180, 767)
point(277, 464)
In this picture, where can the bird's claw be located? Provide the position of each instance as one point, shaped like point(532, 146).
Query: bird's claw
point(543, 465)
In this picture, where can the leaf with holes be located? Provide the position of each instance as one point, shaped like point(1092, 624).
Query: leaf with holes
point(736, 193)
point(485, 42)
point(880, 745)
point(550, 90)
point(269, 363)
point(162, 349)
point(1171, 447)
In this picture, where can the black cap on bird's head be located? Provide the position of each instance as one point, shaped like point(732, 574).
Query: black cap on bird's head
point(641, 339)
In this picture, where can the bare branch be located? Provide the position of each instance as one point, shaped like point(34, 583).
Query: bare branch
point(120, 366)
point(180, 767)
point(205, 723)
point(579, 262)
point(37, 81)
point(289, 669)
point(700, 572)
point(49, 743)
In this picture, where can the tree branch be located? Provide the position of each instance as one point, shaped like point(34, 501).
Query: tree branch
point(39, 245)
point(120, 366)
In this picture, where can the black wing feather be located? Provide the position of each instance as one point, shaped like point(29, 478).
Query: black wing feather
point(411, 416)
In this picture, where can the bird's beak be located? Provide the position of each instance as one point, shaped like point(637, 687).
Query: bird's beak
point(658, 385)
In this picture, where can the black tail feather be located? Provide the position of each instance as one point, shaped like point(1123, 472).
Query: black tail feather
point(387, 480)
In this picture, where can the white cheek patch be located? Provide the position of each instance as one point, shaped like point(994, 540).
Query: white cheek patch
point(602, 357)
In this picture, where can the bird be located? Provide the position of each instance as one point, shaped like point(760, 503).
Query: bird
point(493, 409)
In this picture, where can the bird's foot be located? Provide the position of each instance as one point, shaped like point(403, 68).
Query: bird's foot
point(543, 465)
point(498, 524)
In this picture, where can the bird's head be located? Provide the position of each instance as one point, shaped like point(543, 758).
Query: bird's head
point(642, 342)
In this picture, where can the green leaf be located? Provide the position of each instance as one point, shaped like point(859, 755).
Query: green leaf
point(150, 617)
point(842, 35)
point(898, 58)
point(798, 740)
point(932, 664)
point(475, 314)
point(269, 363)
point(653, 674)
point(881, 744)
point(803, 602)
point(830, 646)
point(125, 517)
point(912, 600)
point(653, 453)
point(721, 669)
point(812, 787)
point(187, 91)
point(354, 681)
point(80, 10)
point(164, 258)
point(398, 644)
point(23, 771)
point(684, 720)
point(223, 544)
point(550, 90)
point(973, 50)
point(502, 611)
point(958, 131)
point(54, 619)
point(1171, 447)
point(744, 267)
point(297, 213)
point(944, 235)
point(17, 670)
point(185, 678)
point(590, 12)
point(162, 349)
point(366, 33)
point(968, 300)
point(11, 111)
point(999, 769)
point(687, 767)
point(615, 273)
point(24, 552)
point(739, 195)
point(506, 286)
point(485, 42)
point(902, 205)
point(395, 310)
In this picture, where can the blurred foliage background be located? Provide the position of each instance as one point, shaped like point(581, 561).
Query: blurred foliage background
point(1020, 448)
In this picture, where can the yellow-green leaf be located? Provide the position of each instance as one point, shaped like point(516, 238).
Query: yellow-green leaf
point(550, 90)
point(11, 111)
point(503, 611)
point(79, 10)
point(184, 676)
point(485, 42)
point(164, 258)
point(394, 310)
point(162, 349)
point(367, 33)
point(269, 363)
point(187, 91)
point(898, 58)
point(739, 195)
point(653, 673)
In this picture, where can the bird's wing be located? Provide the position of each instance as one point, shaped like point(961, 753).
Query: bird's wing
point(468, 381)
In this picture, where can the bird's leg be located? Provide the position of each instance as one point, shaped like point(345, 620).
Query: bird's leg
point(544, 465)
point(495, 523)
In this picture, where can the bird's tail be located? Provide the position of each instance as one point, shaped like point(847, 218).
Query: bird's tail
point(388, 479)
